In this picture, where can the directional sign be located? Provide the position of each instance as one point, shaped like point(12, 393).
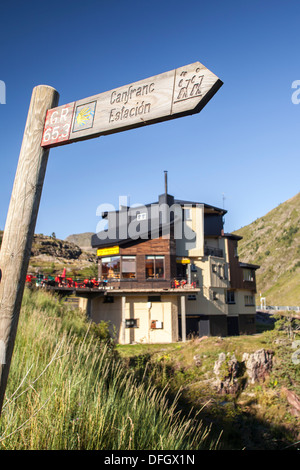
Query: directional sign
point(178, 93)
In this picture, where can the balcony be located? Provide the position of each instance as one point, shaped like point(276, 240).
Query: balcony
point(249, 285)
point(92, 286)
point(150, 284)
point(213, 251)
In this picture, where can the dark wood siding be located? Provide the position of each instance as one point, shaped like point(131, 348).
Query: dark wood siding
point(247, 324)
point(236, 274)
point(236, 271)
point(141, 248)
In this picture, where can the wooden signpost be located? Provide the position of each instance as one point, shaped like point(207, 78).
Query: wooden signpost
point(170, 95)
point(166, 96)
point(20, 223)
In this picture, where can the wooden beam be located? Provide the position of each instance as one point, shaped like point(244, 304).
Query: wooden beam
point(20, 223)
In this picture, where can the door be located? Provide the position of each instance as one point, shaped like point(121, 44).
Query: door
point(204, 329)
point(181, 271)
point(196, 326)
point(233, 326)
point(192, 326)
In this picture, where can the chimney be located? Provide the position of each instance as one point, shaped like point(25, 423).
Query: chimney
point(166, 198)
point(166, 183)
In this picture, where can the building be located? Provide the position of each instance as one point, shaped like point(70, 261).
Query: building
point(168, 270)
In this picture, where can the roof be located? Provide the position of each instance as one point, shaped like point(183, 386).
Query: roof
point(181, 202)
point(121, 227)
point(231, 236)
point(249, 266)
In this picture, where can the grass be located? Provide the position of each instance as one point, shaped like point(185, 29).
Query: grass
point(258, 416)
point(69, 389)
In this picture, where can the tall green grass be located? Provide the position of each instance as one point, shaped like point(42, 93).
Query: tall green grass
point(68, 389)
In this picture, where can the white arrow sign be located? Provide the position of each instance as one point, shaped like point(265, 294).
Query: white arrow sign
point(170, 95)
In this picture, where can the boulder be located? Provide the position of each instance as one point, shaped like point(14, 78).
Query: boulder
point(197, 359)
point(227, 369)
point(258, 364)
point(293, 400)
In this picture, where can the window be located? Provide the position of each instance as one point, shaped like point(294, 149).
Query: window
point(249, 300)
point(154, 298)
point(187, 214)
point(111, 267)
point(114, 267)
point(128, 267)
point(220, 270)
point(248, 274)
point(192, 297)
point(230, 297)
point(193, 268)
point(155, 267)
point(131, 323)
point(142, 216)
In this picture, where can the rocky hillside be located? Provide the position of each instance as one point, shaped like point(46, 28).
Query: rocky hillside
point(51, 246)
point(273, 242)
point(50, 255)
point(83, 240)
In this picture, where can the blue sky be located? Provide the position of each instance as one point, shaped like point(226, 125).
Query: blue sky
point(244, 144)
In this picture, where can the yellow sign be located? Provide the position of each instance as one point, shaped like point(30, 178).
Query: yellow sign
point(183, 260)
point(113, 250)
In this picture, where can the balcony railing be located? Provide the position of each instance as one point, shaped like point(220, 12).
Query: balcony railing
point(175, 283)
point(182, 283)
point(60, 283)
point(212, 251)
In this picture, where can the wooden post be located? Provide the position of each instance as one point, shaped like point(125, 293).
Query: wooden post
point(20, 223)
point(183, 319)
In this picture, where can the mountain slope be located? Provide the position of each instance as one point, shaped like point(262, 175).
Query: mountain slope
point(273, 242)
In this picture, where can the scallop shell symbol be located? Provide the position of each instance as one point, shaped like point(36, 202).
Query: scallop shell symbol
point(84, 116)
